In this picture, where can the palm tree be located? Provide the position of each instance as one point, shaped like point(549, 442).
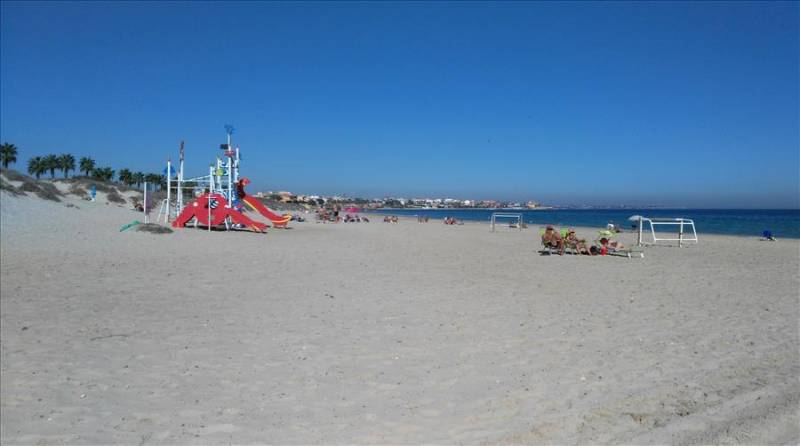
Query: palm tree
point(66, 162)
point(86, 165)
point(126, 177)
point(138, 178)
point(103, 173)
point(36, 166)
point(51, 164)
point(8, 154)
point(153, 178)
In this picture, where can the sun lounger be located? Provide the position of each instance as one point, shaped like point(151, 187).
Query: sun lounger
point(629, 252)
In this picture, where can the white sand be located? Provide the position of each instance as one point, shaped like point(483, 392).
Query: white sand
point(386, 333)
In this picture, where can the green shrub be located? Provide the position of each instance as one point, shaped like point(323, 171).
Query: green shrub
point(13, 175)
point(115, 197)
point(45, 191)
point(8, 187)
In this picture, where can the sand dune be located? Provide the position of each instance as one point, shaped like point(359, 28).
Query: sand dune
point(386, 333)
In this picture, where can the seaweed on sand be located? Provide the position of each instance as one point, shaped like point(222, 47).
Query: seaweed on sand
point(153, 228)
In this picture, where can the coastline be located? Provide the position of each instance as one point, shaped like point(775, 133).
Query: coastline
point(783, 223)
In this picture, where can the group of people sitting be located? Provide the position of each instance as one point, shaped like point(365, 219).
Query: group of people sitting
point(326, 215)
point(355, 218)
point(451, 221)
point(332, 215)
point(390, 219)
point(554, 239)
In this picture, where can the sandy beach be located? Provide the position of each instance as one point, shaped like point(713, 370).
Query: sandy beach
point(386, 334)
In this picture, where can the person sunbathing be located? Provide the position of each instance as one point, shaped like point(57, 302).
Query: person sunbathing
point(552, 239)
point(611, 245)
point(578, 244)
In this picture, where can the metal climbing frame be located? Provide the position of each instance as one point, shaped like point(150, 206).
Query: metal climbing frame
point(221, 179)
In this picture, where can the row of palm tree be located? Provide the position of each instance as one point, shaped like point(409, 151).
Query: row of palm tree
point(50, 163)
point(130, 178)
point(39, 165)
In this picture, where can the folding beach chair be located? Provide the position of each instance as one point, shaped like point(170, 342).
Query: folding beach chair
point(572, 246)
point(546, 248)
point(550, 249)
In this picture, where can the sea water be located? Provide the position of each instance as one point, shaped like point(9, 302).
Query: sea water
point(750, 222)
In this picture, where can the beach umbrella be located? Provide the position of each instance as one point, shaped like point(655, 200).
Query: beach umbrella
point(351, 210)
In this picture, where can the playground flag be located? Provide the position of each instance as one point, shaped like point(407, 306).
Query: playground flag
point(172, 172)
point(181, 151)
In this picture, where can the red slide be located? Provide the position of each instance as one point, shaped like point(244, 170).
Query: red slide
point(277, 220)
point(199, 209)
point(238, 217)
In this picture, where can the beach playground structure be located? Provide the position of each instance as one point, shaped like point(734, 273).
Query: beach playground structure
point(214, 200)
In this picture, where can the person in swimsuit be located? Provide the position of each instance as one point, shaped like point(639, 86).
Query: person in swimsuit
point(551, 238)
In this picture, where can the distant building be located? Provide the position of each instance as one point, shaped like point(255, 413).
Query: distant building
point(285, 196)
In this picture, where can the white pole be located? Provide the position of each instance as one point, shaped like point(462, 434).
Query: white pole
point(169, 188)
point(218, 172)
point(230, 188)
point(639, 242)
point(236, 180)
point(680, 235)
point(210, 189)
point(210, 178)
point(144, 204)
point(180, 189)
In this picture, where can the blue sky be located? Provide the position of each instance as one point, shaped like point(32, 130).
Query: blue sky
point(684, 104)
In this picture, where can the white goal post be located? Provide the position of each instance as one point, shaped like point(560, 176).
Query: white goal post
point(505, 216)
point(681, 224)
